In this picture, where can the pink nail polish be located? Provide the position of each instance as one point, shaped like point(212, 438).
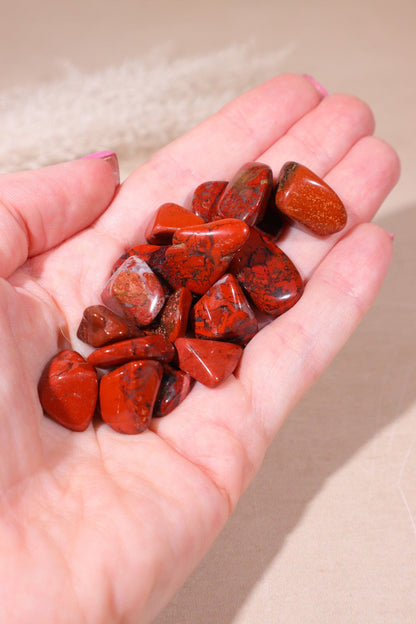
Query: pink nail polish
point(111, 158)
point(391, 235)
point(321, 90)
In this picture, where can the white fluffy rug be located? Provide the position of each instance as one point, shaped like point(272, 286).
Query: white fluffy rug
point(133, 109)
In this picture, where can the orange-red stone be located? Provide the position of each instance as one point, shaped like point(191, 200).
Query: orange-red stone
point(247, 194)
point(134, 291)
point(100, 326)
point(305, 198)
point(128, 395)
point(205, 198)
point(267, 275)
point(68, 390)
point(174, 388)
point(224, 313)
point(199, 255)
point(168, 218)
point(208, 361)
point(152, 347)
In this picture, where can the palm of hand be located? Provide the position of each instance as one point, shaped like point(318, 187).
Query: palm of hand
point(103, 526)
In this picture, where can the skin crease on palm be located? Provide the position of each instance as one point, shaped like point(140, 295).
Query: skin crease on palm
point(103, 527)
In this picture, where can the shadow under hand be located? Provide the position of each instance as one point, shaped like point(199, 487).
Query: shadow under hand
point(362, 392)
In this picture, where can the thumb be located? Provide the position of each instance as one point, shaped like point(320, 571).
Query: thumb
point(40, 209)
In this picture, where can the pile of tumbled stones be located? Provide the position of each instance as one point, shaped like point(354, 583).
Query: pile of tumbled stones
point(183, 306)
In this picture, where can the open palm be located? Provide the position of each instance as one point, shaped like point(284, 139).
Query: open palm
point(103, 527)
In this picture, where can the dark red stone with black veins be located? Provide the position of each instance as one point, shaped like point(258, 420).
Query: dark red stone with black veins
point(100, 326)
point(134, 291)
point(267, 275)
point(152, 347)
point(128, 395)
point(174, 388)
point(272, 222)
point(306, 199)
point(168, 218)
point(224, 313)
point(172, 322)
point(208, 361)
point(205, 198)
point(68, 390)
point(145, 252)
point(247, 194)
point(199, 255)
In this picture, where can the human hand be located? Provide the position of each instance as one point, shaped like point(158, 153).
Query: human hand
point(103, 527)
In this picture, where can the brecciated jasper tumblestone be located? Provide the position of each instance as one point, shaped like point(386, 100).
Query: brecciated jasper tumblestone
point(134, 291)
point(153, 347)
point(100, 326)
point(205, 198)
point(169, 218)
point(246, 195)
point(68, 390)
point(128, 394)
point(266, 274)
point(306, 199)
point(200, 254)
point(224, 313)
point(175, 386)
point(208, 361)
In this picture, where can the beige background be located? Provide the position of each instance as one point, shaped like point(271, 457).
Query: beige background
point(327, 531)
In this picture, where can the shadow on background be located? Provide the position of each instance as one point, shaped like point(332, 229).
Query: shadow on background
point(327, 428)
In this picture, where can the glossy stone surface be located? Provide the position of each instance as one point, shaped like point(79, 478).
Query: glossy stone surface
point(134, 291)
point(128, 394)
point(199, 255)
point(205, 198)
point(208, 361)
point(224, 313)
point(175, 386)
point(145, 252)
point(267, 275)
point(173, 319)
point(247, 194)
point(152, 347)
point(100, 326)
point(68, 390)
point(305, 198)
point(168, 218)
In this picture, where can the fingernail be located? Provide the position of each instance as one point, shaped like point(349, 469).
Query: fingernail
point(391, 235)
point(111, 158)
point(321, 90)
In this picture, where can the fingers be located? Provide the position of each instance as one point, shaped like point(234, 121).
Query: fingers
point(39, 209)
point(241, 131)
point(285, 357)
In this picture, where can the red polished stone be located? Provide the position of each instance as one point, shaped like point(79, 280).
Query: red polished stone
point(172, 322)
point(134, 291)
point(224, 313)
point(68, 390)
point(205, 198)
point(128, 394)
point(174, 388)
point(199, 255)
point(306, 199)
point(169, 218)
point(267, 275)
point(100, 326)
point(208, 361)
point(247, 194)
point(152, 347)
point(145, 252)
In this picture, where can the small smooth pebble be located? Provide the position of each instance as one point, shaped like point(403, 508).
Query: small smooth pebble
point(175, 386)
point(128, 394)
point(68, 390)
point(208, 361)
point(305, 198)
point(151, 347)
point(100, 326)
point(169, 218)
